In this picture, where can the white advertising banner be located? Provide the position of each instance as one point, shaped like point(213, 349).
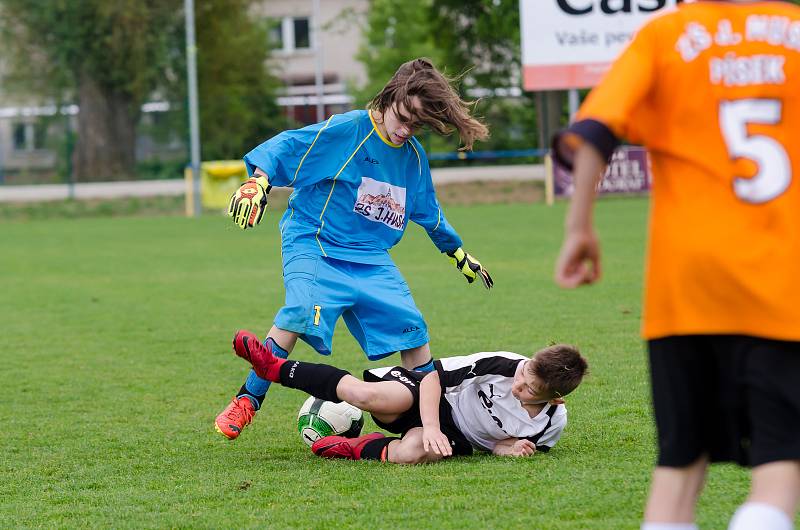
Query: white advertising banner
point(570, 43)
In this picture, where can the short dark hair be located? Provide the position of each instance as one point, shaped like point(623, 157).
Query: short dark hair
point(560, 367)
point(442, 108)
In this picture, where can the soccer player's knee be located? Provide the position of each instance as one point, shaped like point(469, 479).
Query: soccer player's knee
point(410, 456)
point(362, 395)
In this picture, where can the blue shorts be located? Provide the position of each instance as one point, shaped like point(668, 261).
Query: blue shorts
point(374, 300)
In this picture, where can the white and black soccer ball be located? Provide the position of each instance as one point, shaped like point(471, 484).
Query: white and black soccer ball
point(318, 418)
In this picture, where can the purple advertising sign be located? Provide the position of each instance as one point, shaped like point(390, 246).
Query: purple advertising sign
point(628, 172)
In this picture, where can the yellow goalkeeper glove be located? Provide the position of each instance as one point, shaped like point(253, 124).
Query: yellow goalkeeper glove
point(470, 267)
point(248, 203)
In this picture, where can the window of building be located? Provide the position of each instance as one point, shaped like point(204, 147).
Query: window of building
point(292, 34)
point(29, 136)
point(20, 138)
point(302, 34)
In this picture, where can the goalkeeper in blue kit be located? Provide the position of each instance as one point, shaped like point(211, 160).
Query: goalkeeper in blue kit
point(358, 179)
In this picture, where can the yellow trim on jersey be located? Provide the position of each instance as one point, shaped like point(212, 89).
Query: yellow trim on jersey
point(419, 163)
point(438, 221)
point(375, 128)
point(334, 185)
point(310, 147)
point(419, 158)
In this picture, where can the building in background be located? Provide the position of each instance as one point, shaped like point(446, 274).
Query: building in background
point(23, 134)
point(36, 137)
point(299, 52)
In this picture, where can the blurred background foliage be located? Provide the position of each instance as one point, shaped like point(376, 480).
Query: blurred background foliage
point(110, 58)
point(106, 57)
point(476, 42)
point(237, 88)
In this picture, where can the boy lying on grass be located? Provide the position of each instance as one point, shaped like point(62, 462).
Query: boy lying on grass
point(500, 402)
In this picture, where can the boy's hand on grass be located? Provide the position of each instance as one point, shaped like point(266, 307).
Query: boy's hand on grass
point(523, 447)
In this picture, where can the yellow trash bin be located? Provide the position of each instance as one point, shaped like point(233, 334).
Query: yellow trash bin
point(219, 179)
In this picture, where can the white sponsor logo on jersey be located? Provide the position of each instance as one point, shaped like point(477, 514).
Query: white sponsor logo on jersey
point(381, 202)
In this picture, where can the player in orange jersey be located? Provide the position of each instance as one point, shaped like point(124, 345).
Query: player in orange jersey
point(712, 89)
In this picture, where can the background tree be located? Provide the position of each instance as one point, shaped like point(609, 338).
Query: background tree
point(105, 56)
point(477, 41)
point(237, 92)
point(483, 36)
point(111, 57)
point(395, 32)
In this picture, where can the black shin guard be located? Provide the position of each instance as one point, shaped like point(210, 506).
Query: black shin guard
point(319, 380)
point(377, 449)
point(244, 391)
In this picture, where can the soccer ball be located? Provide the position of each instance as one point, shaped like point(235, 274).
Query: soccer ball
point(318, 418)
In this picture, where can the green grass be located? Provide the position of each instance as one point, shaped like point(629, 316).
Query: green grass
point(116, 359)
point(74, 209)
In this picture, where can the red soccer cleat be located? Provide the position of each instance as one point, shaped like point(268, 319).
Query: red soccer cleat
point(248, 347)
point(238, 414)
point(341, 447)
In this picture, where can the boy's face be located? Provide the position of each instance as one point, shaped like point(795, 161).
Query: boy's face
point(528, 388)
point(398, 131)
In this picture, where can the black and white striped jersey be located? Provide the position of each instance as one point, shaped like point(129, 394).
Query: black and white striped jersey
point(478, 389)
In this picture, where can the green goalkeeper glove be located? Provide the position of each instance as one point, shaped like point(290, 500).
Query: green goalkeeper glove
point(248, 203)
point(470, 267)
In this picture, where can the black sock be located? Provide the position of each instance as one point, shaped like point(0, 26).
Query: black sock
point(373, 449)
point(319, 380)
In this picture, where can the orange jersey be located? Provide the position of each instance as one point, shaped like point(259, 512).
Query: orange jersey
point(712, 89)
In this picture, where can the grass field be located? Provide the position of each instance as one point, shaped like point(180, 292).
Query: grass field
point(116, 359)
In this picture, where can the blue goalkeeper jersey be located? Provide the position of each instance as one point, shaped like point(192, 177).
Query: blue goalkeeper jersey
point(354, 191)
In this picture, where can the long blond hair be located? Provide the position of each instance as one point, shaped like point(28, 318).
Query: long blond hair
point(442, 108)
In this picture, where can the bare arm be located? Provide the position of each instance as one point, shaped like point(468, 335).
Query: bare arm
point(514, 447)
point(579, 260)
point(430, 393)
point(260, 173)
